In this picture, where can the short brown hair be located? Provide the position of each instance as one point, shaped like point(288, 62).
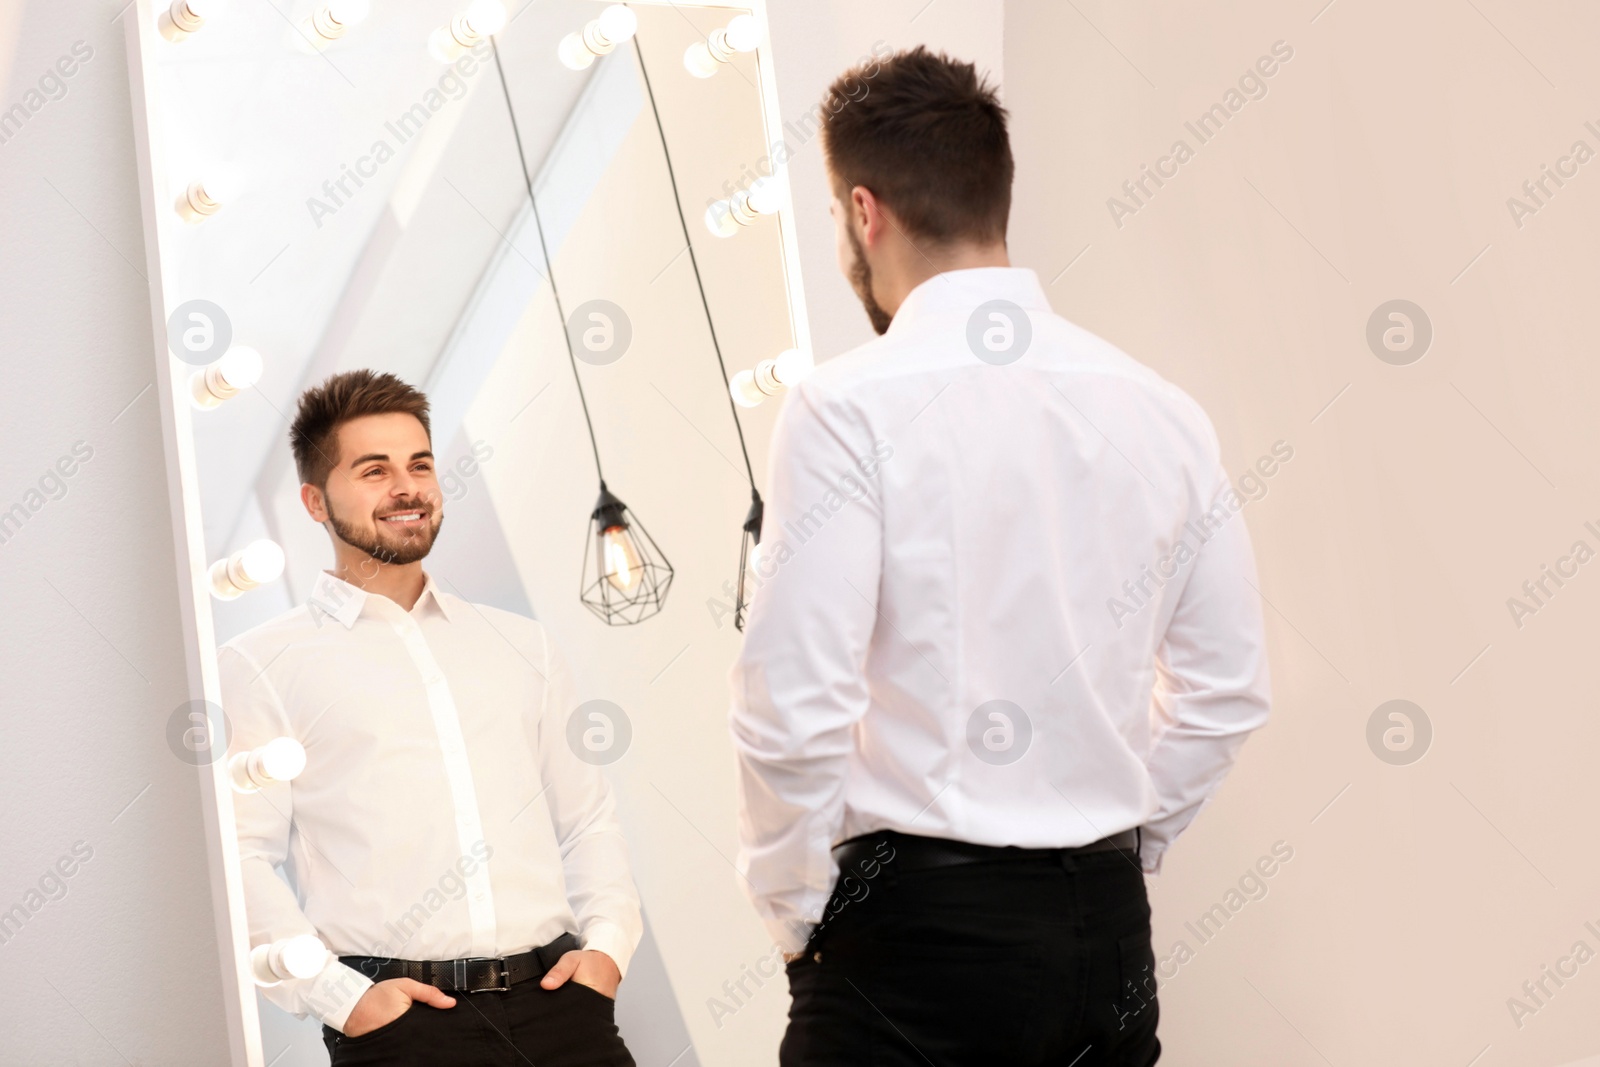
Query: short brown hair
point(313, 436)
point(928, 137)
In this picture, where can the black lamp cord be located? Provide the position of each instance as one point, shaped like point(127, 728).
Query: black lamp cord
point(550, 273)
point(677, 202)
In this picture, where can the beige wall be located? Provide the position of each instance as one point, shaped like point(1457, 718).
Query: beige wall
point(1377, 166)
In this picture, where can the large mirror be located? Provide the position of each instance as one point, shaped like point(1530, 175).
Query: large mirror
point(332, 185)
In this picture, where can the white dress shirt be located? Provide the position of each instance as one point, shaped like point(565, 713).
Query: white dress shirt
point(441, 813)
point(943, 531)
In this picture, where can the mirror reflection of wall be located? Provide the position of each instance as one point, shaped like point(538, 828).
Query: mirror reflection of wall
point(364, 205)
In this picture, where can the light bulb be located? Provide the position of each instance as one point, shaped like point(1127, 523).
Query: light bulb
point(744, 391)
point(331, 20)
point(598, 37)
point(302, 956)
point(765, 194)
point(743, 33)
point(618, 23)
point(184, 18)
point(239, 368)
point(572, 53)
point(792, 365)
point(486, 17)
point(720, 220)
point(257, 563)
point(279, 760)
point(282, 759)
point(705, 58)
point(210, 193)
point(478, 23)
point(623, 567)
point(698, 60)
point(349, 12)
point(770, 377)
point(725, 217)
point(261, 561)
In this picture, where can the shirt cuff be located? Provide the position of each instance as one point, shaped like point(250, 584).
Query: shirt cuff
point(613, 940)
point(332, 994)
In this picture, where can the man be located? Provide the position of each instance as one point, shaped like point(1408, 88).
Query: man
point(1006, 643)
point(443, 840)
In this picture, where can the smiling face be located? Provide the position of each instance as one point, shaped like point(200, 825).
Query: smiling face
point(382, 496)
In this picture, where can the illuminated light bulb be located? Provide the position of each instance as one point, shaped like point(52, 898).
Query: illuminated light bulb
point(720, 220)
point(209, 194)
point(279, 760)
point(184, 18)
point(332, 19)
point(599, 37)
point(699, 61)
point(792, 365)
point(724, 218)
point(623, 567)
point(765, 195)
point(743, 33)
point(572, 53)
point(705, 58)
point(625, 576)
point(770, 377)
point(486, 17)
point(255, 564)
point(617, 23)
point(477, 24)
point(744, 390)
point(303, 956)
point(237, 370)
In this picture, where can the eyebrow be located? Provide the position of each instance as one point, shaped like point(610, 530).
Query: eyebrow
point(384, 457)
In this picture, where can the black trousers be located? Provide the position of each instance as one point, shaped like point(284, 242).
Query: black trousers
point(569, 1026)
point(1025, 963)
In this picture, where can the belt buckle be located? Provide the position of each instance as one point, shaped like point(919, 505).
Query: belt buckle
point(460, 976)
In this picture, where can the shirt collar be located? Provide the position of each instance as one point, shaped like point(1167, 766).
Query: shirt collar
point(340, 600)
point(960, 292)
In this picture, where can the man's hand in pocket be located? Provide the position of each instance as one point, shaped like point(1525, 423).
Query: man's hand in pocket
point(388, 1000)
point(587, 967)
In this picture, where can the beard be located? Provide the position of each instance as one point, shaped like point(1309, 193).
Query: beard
point(861, 282)
point(386, 545)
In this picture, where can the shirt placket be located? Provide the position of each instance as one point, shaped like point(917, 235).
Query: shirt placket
point(458, 773)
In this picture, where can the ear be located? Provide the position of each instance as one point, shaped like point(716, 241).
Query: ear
point(866, 214)
point(311, 497)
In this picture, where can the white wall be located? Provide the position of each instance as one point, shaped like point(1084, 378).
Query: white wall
point(122, 967)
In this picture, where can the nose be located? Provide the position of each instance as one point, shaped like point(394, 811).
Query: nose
point(406, 490)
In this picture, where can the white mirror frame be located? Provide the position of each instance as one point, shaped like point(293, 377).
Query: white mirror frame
point(161, 225)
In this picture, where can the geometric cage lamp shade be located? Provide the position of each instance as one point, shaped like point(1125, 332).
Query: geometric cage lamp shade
point(629, 577)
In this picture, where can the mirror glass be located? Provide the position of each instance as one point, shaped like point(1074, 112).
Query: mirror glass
point(374, 212)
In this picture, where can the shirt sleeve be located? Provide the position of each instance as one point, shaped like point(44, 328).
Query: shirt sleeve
point(798, 685)
point(1212, 686)
point(594, 856)
point(263, 819)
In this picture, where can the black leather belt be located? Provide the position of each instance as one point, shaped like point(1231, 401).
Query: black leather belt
point(913, 853)
point(477, 974)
